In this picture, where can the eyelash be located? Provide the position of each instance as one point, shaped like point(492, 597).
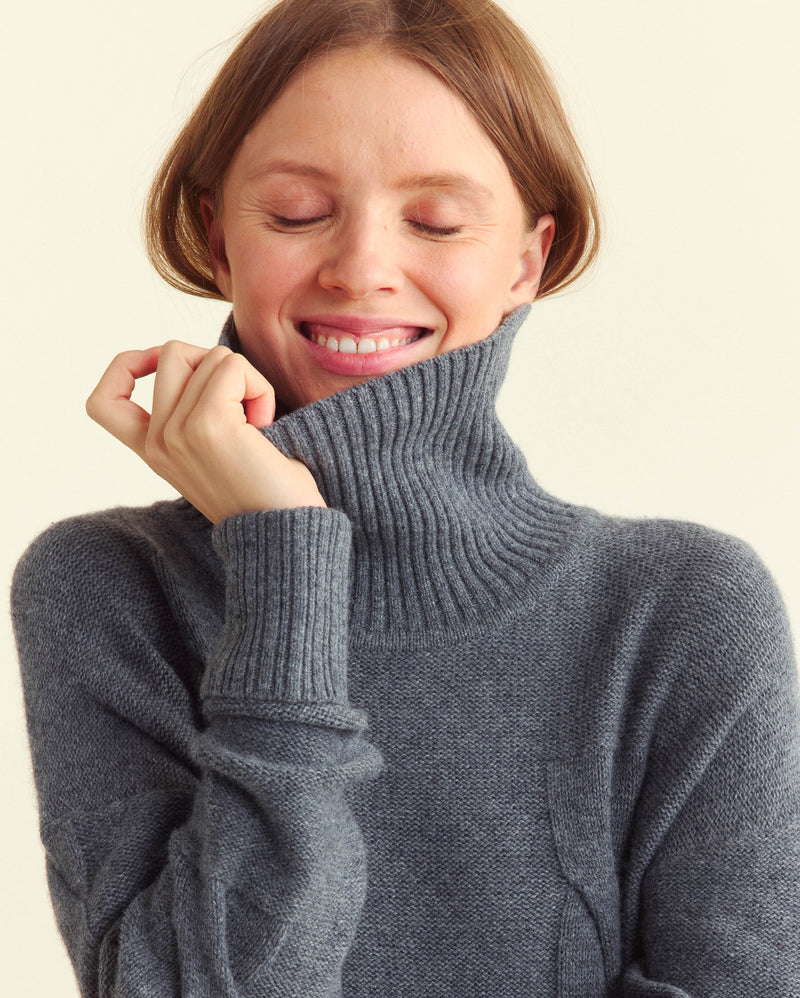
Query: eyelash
point(432, 230)
point(427, 230)
point(296, 223)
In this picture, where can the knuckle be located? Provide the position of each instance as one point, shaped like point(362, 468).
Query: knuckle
point(202, 428)
point(170, 438)
point(158, 458)
point(172, 349)
point(153, 448)
point(123, 359)
point(226, 361)
point(232, 360)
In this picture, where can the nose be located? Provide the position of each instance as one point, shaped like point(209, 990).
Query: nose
point(361, 260)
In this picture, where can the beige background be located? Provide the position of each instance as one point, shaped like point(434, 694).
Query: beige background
point(666, 386)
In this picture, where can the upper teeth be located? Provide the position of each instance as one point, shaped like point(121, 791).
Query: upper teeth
point(365, 344)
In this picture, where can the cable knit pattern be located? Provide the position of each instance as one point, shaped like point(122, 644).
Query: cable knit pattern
point(449, 737)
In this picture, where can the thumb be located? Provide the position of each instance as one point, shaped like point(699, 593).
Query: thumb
point(259, 399)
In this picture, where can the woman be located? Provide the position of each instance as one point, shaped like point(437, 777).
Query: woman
point(579, 775)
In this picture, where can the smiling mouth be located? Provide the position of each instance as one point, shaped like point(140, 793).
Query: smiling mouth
point(338, 341)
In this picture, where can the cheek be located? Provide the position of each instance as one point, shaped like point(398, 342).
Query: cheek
point(453, 275)
point(474, 281)
point(474, 295)
point(266, 274)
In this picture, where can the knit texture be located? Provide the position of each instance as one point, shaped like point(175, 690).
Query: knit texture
point(449, 737)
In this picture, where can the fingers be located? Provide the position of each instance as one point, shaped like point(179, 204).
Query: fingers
point(207, 449)
point(177, 367)
point(226, 385)
point(183, 374)
point(201, 435)
point(259, 400)
point(201, 393)
point(110, 403)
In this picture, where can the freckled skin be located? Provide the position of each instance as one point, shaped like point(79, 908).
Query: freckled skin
point(336, 229)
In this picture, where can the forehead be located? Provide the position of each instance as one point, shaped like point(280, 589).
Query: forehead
point(361, 107)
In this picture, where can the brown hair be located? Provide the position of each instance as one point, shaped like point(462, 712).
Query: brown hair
point(472, 45)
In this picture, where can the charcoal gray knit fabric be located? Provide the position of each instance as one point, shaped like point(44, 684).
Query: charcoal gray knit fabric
point(449, 737)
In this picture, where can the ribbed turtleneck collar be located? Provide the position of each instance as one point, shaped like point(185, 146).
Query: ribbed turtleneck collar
point(450, 530)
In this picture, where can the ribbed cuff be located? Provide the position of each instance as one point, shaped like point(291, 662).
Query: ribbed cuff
point(287, 595)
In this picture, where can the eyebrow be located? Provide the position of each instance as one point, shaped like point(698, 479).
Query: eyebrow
point(459, 183)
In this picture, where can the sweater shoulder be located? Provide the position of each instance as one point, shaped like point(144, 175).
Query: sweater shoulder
point(673, 555)
point(115, 576)
point(89, 550)
point(121, 585)
point(690, 588)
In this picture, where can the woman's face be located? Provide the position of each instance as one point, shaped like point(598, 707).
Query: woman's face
point(367, 223)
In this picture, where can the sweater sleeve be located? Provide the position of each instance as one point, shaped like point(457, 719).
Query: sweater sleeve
point(718, 856)
point(197, 846)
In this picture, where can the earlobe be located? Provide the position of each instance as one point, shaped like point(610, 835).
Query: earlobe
point(216, 245)
point(535, 249)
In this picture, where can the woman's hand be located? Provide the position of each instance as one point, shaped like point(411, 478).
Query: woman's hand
point(202, 435)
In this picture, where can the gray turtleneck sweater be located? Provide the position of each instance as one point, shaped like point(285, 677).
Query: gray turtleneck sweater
point(449, 737)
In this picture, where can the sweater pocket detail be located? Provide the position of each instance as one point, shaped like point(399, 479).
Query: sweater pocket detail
point(581, 972)
point(589, 934)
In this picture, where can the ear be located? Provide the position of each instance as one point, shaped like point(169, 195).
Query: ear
point(216, 245)
point(534, 250)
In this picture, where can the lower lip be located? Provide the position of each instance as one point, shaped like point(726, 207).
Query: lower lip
point(360, 364)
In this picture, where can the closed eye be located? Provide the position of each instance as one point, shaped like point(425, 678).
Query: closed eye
point(436, 231)
point(296, 223)
point(431, 231)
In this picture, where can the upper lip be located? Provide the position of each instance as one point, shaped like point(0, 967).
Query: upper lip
point(361, 326)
